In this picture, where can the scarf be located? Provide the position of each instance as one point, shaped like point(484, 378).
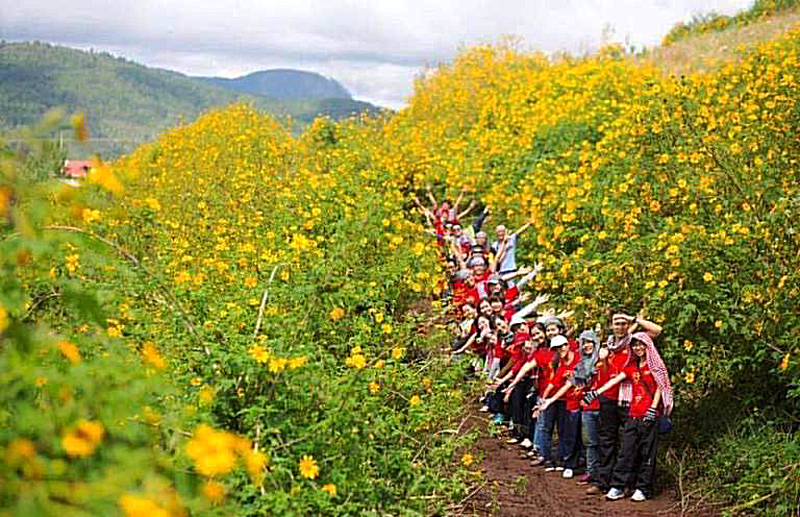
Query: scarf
point(582, 375)
point(657, 368)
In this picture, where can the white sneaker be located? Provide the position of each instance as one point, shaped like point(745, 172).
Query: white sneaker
point(485, 409)
point(559, 468)
point(615, 494)
point(567, 473)
point(638, 496)
point(512, 441)
point(526, 443)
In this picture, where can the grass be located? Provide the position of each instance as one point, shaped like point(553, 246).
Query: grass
point(715, 49)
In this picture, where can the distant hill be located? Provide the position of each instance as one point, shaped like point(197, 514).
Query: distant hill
point(283, 84)
point(127, 104)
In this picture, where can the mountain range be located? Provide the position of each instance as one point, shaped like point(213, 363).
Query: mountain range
point(127, 104)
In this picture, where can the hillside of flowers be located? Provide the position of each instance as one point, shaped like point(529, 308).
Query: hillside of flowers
point(232, 321)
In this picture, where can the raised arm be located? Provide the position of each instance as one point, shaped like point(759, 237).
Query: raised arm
point(523, 227)
point(467, 210)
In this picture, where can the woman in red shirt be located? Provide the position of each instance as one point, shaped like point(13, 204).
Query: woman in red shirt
point(565, 400)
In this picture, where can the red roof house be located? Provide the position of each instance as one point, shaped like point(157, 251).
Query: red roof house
point(76, 168)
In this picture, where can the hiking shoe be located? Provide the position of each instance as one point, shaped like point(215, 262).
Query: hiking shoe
point(567, 474)
point(559, 468)
point(584, 479)
point(594, 490)
point(512, 441)
point(485, 409)
point(615, 494)
point(638, 496)
point(549, 467)
point(525, 444)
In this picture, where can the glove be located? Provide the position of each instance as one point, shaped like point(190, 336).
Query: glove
point(651, 415)
point(589, 397)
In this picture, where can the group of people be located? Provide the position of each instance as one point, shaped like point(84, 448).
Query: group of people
point(606, 401)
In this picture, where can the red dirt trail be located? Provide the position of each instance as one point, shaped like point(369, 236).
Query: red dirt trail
point(510, 487)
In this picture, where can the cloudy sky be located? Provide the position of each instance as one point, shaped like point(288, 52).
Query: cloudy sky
point(373, 47)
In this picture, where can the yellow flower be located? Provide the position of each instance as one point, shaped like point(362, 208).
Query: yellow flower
point(277, 364)
point(397, 353)
point(329, 489)
point(3, 319)
point(250, 281)
point(785, 362)
point(83, 441)
point(214, 492)
point(152, 356)
point(387, 328)
point(337, 313)
point(206, 395)
point(467, 459)
point(260, 354)
point(212, 450)
point(357, 361)
point(134, 506)
point(374, 387)
point(415, 400)
point(308, 467)
point(255, 461)
point(153, 204)
point(69, 351)
point(72, 262)
point(708, 277)
point(718, 324)
point(689, 377)
point(380, 363)
point(378, 317)
point(688, 345)
point(297, 362)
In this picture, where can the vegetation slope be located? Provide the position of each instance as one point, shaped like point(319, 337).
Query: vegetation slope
point(127, 104)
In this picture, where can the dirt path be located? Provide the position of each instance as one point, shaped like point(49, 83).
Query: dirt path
point(511, 487)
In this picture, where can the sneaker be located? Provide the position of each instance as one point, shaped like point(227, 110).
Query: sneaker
point(615, 494)
point(485, 409)
point(512, 441)
point(594, 490)
point(638, 496)
point(537, 461)
point(584, 479)
point(559, 468)
point(567, 474)
point(525, 444)
point(549, 467)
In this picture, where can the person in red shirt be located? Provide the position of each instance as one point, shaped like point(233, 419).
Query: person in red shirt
point(561, 394)
point(651, 397)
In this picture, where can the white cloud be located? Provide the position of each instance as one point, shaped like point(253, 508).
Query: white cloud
point(374, 48)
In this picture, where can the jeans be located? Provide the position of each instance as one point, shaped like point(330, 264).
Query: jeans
point(569, 426)
point(544, 431)
point(639, 444)
point(589, 421)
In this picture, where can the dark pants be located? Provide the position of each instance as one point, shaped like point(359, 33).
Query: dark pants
point(569, 428)
point(610, 419)
point(639, 444)
point(495, 400)
point(517, 403)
